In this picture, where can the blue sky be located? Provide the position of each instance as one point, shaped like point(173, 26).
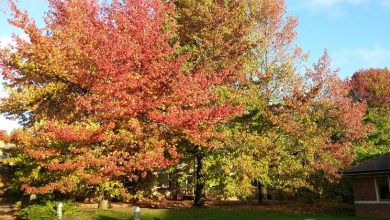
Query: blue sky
point(356, 33)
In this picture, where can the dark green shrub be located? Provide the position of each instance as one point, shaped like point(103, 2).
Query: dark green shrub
point(306, 195)
point(48, 210)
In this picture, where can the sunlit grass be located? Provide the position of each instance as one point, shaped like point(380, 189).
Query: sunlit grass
point(210, 214)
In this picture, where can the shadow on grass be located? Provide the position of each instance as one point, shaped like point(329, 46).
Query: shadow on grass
point(108, 215)
point(104, 217)
point(214, 214)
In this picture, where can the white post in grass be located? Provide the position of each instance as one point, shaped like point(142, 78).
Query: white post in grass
point(137, 213)
point(59, 211)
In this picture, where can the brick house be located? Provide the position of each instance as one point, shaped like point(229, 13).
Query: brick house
point(370, 182)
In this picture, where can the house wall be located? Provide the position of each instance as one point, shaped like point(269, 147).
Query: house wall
point(366, 202)
point(372, 210)
point(364, 188)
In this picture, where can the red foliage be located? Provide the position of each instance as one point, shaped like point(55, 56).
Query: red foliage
point(372, 86)
point(4, 136)
point(122, 90)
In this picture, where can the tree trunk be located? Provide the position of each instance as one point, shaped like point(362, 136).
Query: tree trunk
point(199, 185)
point(262, 191)
point(174, 186)
point(259, 186)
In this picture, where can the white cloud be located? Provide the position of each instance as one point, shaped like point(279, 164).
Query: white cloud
point(375, 56)
point(385, 3)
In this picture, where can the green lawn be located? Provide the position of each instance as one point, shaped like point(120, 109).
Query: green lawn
point(211, 214)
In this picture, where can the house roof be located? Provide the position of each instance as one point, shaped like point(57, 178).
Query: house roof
point(379, 164)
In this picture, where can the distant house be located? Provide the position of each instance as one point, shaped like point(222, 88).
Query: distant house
point(370, 181)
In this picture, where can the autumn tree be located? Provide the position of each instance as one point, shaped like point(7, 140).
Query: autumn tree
point(296, 123)
point(371, 86)
point(269, 74)
point(247, 36)
point(216, 33)
point(104, 94)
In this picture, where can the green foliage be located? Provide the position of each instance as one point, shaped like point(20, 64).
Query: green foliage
point(111, 190)
point(21, 167)
point(340, 191)
point(380, 117)
point(35, 212)
point(371, 86)
point(378, 140)
point(18, 204)
point(47, 210)
point(231, 174)
point(145, 186)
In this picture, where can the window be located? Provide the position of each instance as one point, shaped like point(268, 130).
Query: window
point(382, 184)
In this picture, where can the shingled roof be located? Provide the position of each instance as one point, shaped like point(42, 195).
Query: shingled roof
point(379, 164)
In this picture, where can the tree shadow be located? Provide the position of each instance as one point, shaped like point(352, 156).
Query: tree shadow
point(112, 216)
point(104, 217)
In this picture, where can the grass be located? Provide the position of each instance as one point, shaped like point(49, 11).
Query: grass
point(210, 214)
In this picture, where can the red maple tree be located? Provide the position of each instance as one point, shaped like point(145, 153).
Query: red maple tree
point(103, 93)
